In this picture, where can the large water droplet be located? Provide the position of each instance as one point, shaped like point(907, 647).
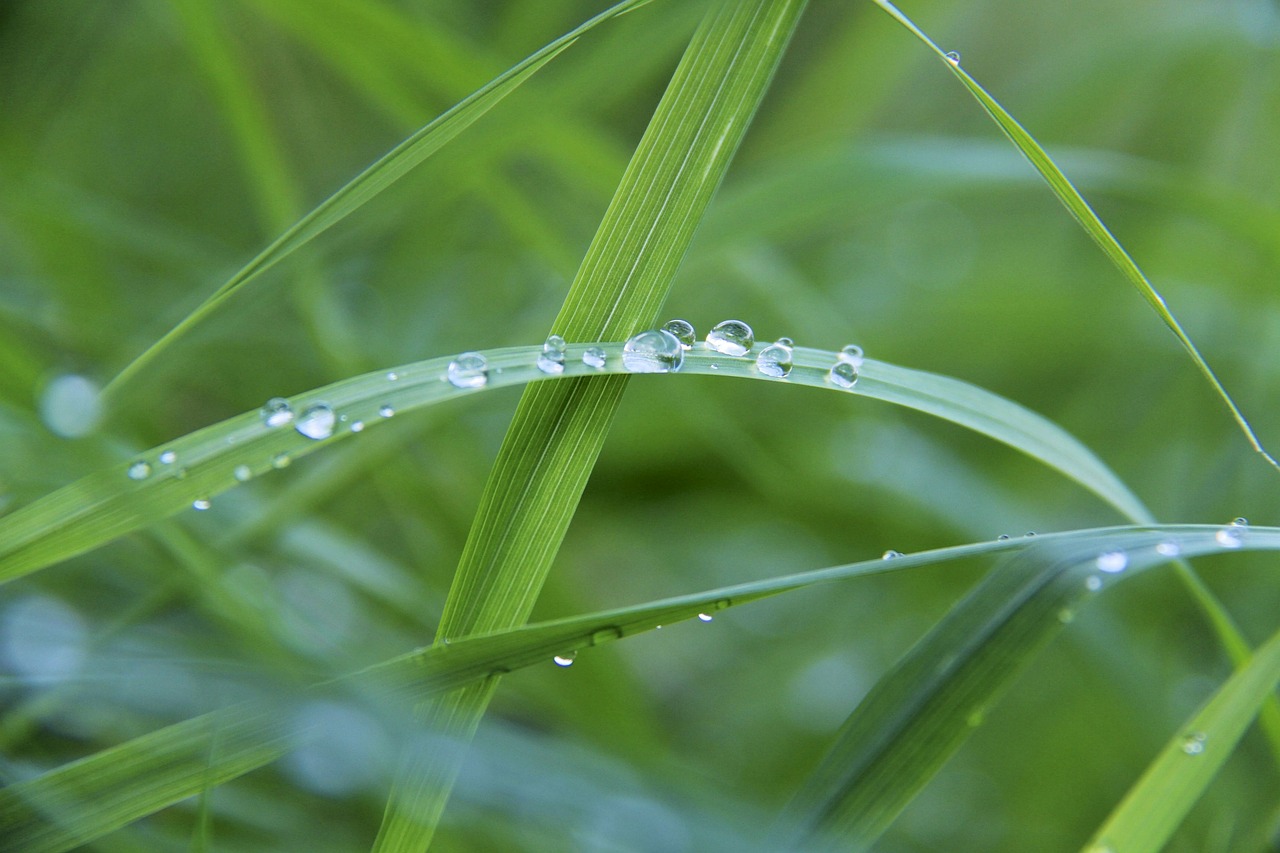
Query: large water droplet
point(317, 421)
point(71, 406)
point(551, 361)
point(731, 337)
point(654, 351)
point(1112, 562)
point(201, 504)
point(774, 360)
point(276, 412)
point(594, 357)
point(469, 370)
point(139, 470)
point(683, 331)
point(953, 56)
point(843, 375)
point(565, 659)
point(1193, 744)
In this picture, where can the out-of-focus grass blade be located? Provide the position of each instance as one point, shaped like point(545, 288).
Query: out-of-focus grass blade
point(373, 180)
point(86, 799)
point(917, 715)
point(1083, 213)
point(1158, 802)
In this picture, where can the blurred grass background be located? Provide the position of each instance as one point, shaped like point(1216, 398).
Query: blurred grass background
point(147, 149)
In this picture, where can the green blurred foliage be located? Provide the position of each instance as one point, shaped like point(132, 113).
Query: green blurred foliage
point(147, 149)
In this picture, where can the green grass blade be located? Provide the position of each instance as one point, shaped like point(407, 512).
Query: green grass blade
point(373, 180)
point(1159, 801)
point(1089, 221)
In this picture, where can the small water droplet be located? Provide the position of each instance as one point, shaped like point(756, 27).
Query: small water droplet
point(1239, 522)
point(1066, 615)
point(317, 421)
point(281, 460)
point(731, 337)
point(774, 360)
point(357, 426)
point(139, 470)
point(705, 617)
point(1193, 744)
point(242, 473)
point(594, 357)
point(386, 411)
point(551, 361)
point(566, 659)
point(201, 504)
point(605, 635)
point(392, 376)
point(891, 555)
point(1231, 536)
point(1169, 549)
point(953, 56)
point(1093, 583)
point(654, 351)
point(1003, 537)
point(843, 375)
point(682, 330)
point(168, 457)
point(786, 342)
point(469, 370)
point(852, 354)
point(276, 412)
point(1112, 562)
point(1029, 534)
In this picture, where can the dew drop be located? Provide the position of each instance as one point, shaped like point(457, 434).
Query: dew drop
point(953, 57)
point(139, 470)
point(594, 357)
point(386, 410)
point(731, 337)
point(605, 635)
point(1066, 615)
point(891, 555)
point(566, 659)
point(843, 375)
point(242, 473)
point(654, 351)
point(1029, 534)
point(705, 617)
point(1093, 583)
point(852, 354)
point(392, 376)
point(1169, 549)
point(201, 504)
point(281, 460)
point(1193, 744)
point(1231, 536)
point(551, 361)
point(786, 342)
point(71, 406)
point(1239, 522)
point(1003, 537)
point(774, 360)
point(276, 412)
point(168, 457)
point(683, 331)
point(469, 370)
point(1112, 562)
point(317, 421)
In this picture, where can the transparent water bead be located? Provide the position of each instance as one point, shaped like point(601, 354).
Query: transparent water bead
point(469, 370)
point(281, 460)
point(843, 375)
point(786, 342)
point(683, 331)
point(168, 457)
point(317, 421)
point(386, 411)
point(731, 337)
point(654, 351)
point(775, 360)
point(1169, 549)
point(392, 376)
point(853, 355)
point(243, 473)
point(1231, 536)
point(705, 617)
point(357, 426)
point(891, 555)
point(139, 470)
point(276, 412)
point(201, 504)
point(594, 357)
point(565, 659)
point(1003, 537)
point(953, 56)
point(1193, 744)
point(1112, 562)
point(551, 361)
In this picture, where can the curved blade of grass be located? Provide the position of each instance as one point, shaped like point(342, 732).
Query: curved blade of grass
point(100, 507)
point(86, 799)
point(917, 715)
point(1089, 221)
point(1159, 801)
point(373, 180)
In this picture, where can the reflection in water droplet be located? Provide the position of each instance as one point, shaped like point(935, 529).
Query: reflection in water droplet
point(316, 422)
point(469, 370)
point(705, 617)
point(1112, 562)
point(139, 470)
point(357, 426)
point(731, 337)
point(953, 57)
point(551, 361)
point(682, 330)
point(566, 659)
point(201, 504)
point(276, 412)
point(243, 473)
point(386, 411)
point(1093, 583)
point(843, 375)
point(774, 360)
point(654, 351)
point(392, 376)
point(1231, 536)
point(168, 457)
point(594, 357)
point(1193, 744)
point(852, 354)
point(891, 555)
point(281, 460)
point(1169, 549)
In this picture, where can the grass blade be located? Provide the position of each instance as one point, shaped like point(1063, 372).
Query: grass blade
point(1089, 221)
point(373, 180)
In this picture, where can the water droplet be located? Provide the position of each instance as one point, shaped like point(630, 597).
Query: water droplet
point(469, 370)
point(774, 360)
point(139, 470)
point(1169, 549)
point(1193, 744)
point(1029, 534)
point(1231, 536)
point(891, 555)
point(317, 421)
point(682, 330)
point(605, 635)
point(357, 426)
point(786, 342)
point(654, 351)
point(386, 411)
point(594, 357)
point(1093, 583)
point(281, 460)
point(201, 504)
point(168, 457)
point(1239, 522)
point(566, 659)
point(1003, 537)
point(71, 406)
point(392, 376)
point(1066, 615)
point(705, 617)
point(243, 473)
point(843, 375)
point(1112, 562)
point(953, 56)
point(731, 337)
point(852, 354)
point(552, 359)
point(276, 412)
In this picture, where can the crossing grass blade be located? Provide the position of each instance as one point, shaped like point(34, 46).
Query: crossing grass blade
point(1088, 220)
point(84, 800)
point(373, 180)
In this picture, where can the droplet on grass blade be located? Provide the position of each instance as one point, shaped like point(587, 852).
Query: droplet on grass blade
point(1112, 562)
point(243, 473)
point(316, 422)
point(654, 351)
point(853, 355)
point(139, 470)
point(201, 503)
point(551, 361)
point(168, 457)
point(594, 357)
point(1193, 744)
point(705, 617)
point(953, 56)
point(386, 410)
point(682, 330)
point(891, 555)
point(843, 375)
point(731, 337)
point(565, 659)
point(276, 412)
point(775, 360)
point(469, 370)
